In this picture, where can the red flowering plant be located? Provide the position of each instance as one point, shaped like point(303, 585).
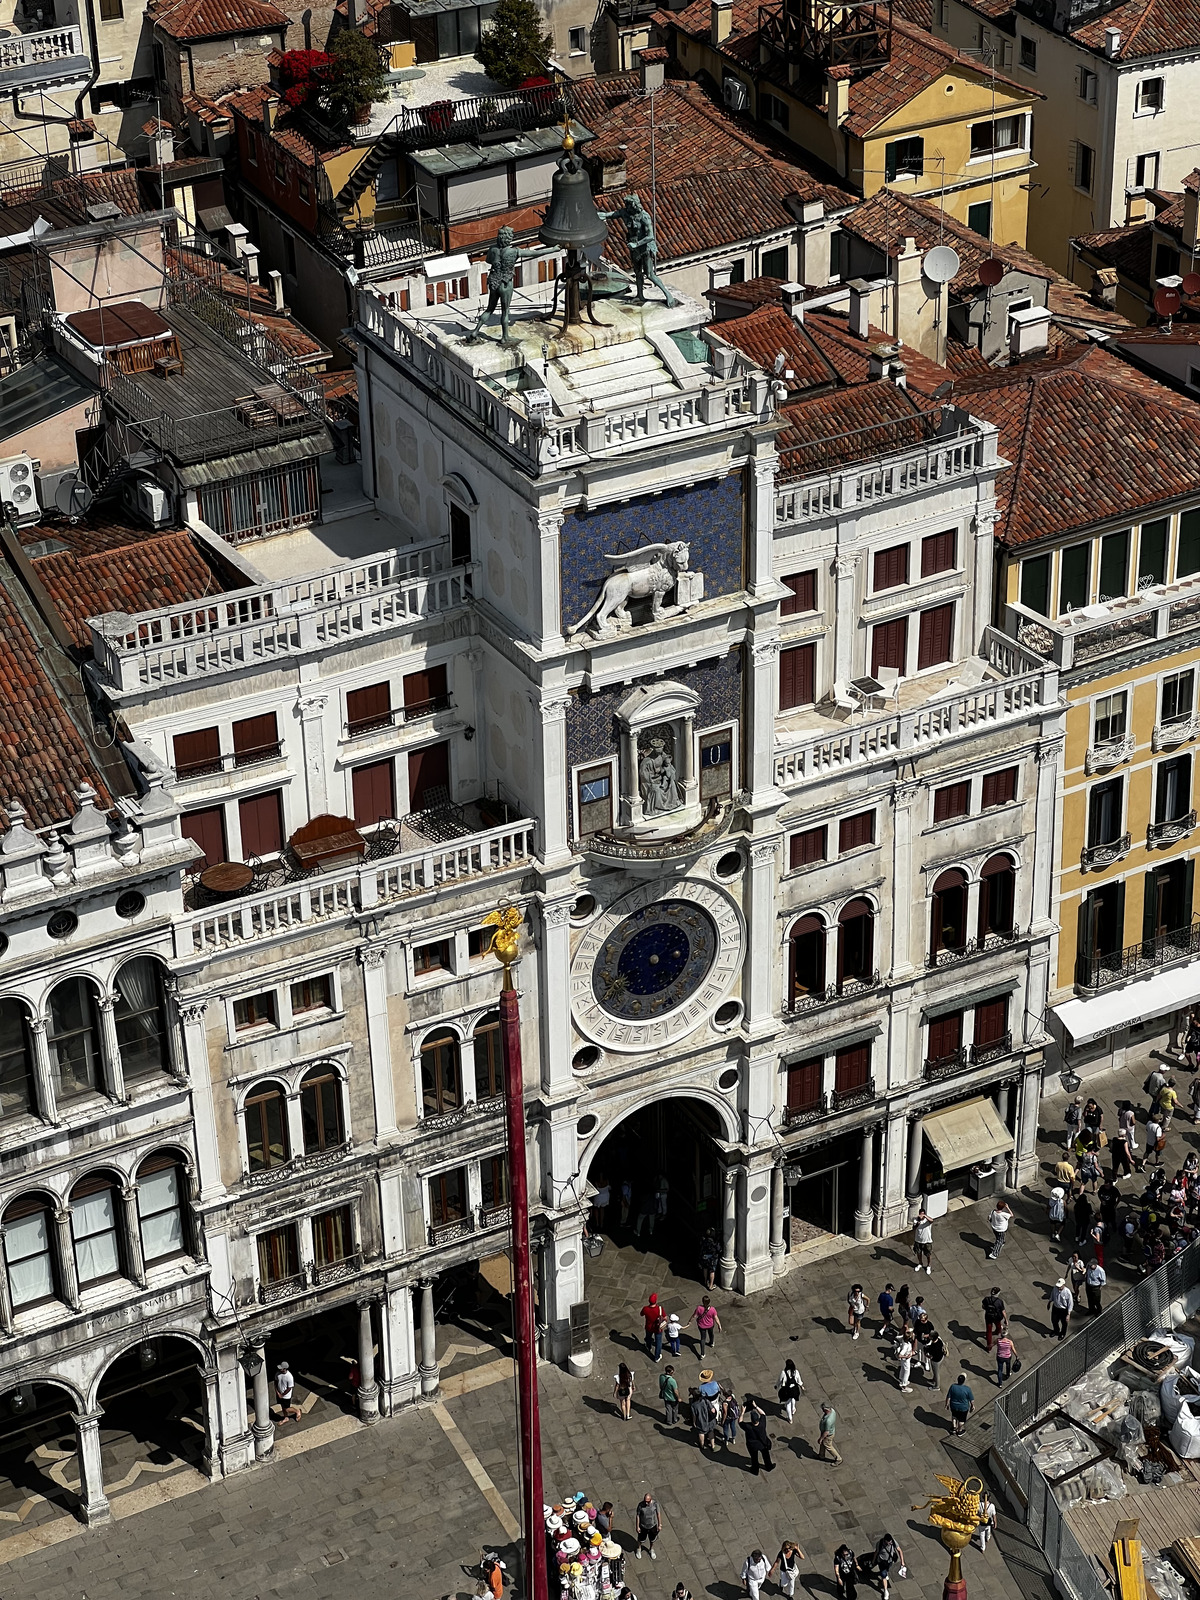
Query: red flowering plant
point(303, 74)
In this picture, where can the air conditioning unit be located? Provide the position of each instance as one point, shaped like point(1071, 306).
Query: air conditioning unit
point(737, 95)
point(147, 501)
point(17, 487)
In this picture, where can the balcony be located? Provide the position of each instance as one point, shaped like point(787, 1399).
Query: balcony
point(282, 1288)
point(38, 60)
point(1161, 833)
point(993, 1050)
point(1102, 971)
point(1170, 735)
point(441, 1121)
point(1109, 628)
point(947, 956)
point(337, 1271)
point(1094, 856)
point(946, 1066)
point(844, 1099)
point(229, 761)
point(297, 1165)
point(495, 1216)
point(399, 715)
point(848, 990)
point(450, 1232)
point(797, 1116)
point(1109, 753)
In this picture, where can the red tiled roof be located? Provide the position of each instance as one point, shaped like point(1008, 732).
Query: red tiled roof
point(215, 19)
point(831, 430)
point(230, 283)
point(1148, 28)
point(1090, 438)
point(1130, 250)
point(751, 292)
point(293, 336)
point(888, 218)
point(769, 331)
point(292, 131)
point(108, 567)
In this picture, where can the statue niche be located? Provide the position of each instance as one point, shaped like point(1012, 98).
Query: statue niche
point(658, 780)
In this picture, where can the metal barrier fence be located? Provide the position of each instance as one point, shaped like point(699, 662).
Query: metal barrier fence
point(1131, 1317)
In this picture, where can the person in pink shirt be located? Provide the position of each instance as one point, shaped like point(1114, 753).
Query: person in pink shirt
point(707, 1322)
point(1006, 1351)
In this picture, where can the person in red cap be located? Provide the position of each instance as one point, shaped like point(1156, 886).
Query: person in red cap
point(655, 1320)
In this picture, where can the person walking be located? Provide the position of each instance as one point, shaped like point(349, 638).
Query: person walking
point(935, 1354)
point(758, 1440)
point(1118, 1153)
point(1093, 1116)
point(668, 1393)
point(1089, 1169)
point(731, 1415)
point(754, 1572)
point(1127, 1124)
point(903, 1351)
point(789, 1388)
point(887, 1555)
point(1167, 1103)
point(1094, 1281)
point(1057, 1210)
point(1072, 1120)
point(645, 1213)
point(923, 1243)
point(995, 1317)
point(285, 1386)
point(649, 1525)
point(652, 1316)
point(705, 1416)
point(672, 1333)
point(999, 1222)
point(1194, 1097)
point(1083, 1218)
point(787, 1564)
point(710, 1259)
point(1062, 1303)
point(1076, 1275)
point(623, 1387)
point(845, 1572)
point(887, 1307)
point(1191, 1042)
point(856, 1309)
point(1096, 1237)
point(1006, 1354)
point(1156, 1139)
point(827, 1449)
point(960, 1402)
point(707, 1322)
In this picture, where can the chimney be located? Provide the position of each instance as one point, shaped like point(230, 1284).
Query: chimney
point(250, 254)
point(275, 281)
point(652, 65)
point(1191, 212)
point(1137, 206)
point(837, 96)
point(914, 312)
point(881, 360)
point(721, 20)
point(792, 296)
point(1112, 43)
point(860, 307)
point(236, 233)
point(85, 157)
point(1028, 331)
point(1104, 287)
point(719, 274)
point(269, 110)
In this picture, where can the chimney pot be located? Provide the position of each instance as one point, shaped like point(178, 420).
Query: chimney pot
point(269, 111)
point(860, 307)
point(792, 296)
point(1028, 331)
point(275, 279)
point(1191, 220)
point(721, 21)
point(1112, 42)
point(652, 66)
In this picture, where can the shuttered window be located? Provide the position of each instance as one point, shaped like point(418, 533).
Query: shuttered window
point(797, 676)
point(804, 1084)
point(945, 1035)
point(807, 847)
point(891, 567)
point(991, 1020)
point(368, 708)
point(429, 777)
point(803, 596)
point(374, 789)
point(424, 692)
point(856, 831)
point(255, 739)
point(197, 752)
point(999, 788)
point(261, 820)
point(207, 829)
point(936, 637)
point(937, 553)
point(889, 645)
point(853, 1068)
point(952, 801)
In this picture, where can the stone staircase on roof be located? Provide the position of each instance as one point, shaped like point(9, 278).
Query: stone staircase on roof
point(627, 373)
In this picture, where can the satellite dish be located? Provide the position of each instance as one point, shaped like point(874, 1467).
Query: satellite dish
point(1167, 301)
point(992, 270)
point(1191, 283)
point(73, 497)
point(941, 264)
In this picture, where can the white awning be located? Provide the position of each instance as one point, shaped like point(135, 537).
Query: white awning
point(966, 1133)
point(1090, 1019)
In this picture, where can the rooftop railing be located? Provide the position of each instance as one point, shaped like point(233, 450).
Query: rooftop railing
point(1109, 627)
point(31, 58)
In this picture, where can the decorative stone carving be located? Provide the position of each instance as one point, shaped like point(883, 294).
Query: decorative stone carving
point(1048, 752)
point(557, 916)
point(763, 855)
point(554, 710)
point(658, 781)
point(905, 793)
point(648, 573)
point(765, 651)
point(192, 1011)
point(371, 955)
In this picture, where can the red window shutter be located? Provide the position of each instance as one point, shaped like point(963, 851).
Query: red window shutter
point(945, 1035)
point(804, 1084)
point(374, 788)
point(854, 832)
point(261, 818)
point(207, 829)
point(197, 752)
point(428, 777)
point(936, 636)
point(803, 596)
point(952, 801)
point(999, 788)
point(991, 1020)
point(255, 735)
point(937, 553)
point(806, 847)
point(852, 1068)
point(368, 708)
point(889, 645)
point(422, 687)
point(891, 567)
point(797, 676)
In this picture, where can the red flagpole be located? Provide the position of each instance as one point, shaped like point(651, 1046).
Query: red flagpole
point(524, 1329)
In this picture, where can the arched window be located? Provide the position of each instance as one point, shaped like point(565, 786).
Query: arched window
point(806, 959)
point(856, 943)
point(16, 1061)
point(160, 1187)
point(441, 1073)
point(95, 1230)
point(997, 897)
point(267, 1142)
point(29, 1252)
point(140, 1014)
point(73, 1037)
point(489, 1059)
point(948, 923)
point(321, 1110)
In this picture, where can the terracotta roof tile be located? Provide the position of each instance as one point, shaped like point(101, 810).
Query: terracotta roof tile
point(215, 19)
point(888, 218)
point(1148, 28)
point(831, 430)
point(1130, 249)
point(768, 331)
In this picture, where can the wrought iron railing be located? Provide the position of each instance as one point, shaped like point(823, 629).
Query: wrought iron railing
point(796, 1116)
point(861, 1094)
point(947, 955)
point(1103, 855)
point(846, 990)
point(336, 1271)
point(993, 1050)
point(448, 1232)
point(1102, 970)
point(282, 1288)
point(946, 1066)
point(1158, 833)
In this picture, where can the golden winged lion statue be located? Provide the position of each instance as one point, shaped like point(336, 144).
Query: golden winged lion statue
point(505, 942)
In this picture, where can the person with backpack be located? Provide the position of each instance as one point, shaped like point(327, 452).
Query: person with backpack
point(888, 1554)
point(856, 1307)
point(1072, 1118)
point(1057, 1211)
point(758, 1440)
point(1156, 1138)
point(923, 1243)
point(845, 1572)
point(995, 1317)
point(668, 1393)
point(789, 1388)
point(754, 1572)
point(887, 1305)
point(731, 1415)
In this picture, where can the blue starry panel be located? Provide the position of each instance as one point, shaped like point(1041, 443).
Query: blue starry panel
point(591, 718)
point(708, 517)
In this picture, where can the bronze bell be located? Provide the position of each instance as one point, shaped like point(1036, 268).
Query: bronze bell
point(572, 221)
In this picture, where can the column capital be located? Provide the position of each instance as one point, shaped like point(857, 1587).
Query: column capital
point(1049, 751)
point(549, 523)
point(37, 1025)
point(903, 794)
point(192, 1011)
point(764, 854)
point(311, 705)
point(107, 1003)
point(554, 708)
point(556, 916)
point(87, 1419)
point(845, 566)
point(765, 651)
point(371, 955)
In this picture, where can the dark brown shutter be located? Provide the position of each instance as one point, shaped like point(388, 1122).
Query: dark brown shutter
point(261, 818)
point(255, 735)
point(806, 847)
point(797, 676)
point(936, 636)
point(197, 752)
point(991, 1020)
point(952, 801)
point(889, 645)
point(891, 567)
point(999, 788)
point(937, 553)
point(804, 1084)
point(854, 832)
point(852, 1068)
point(428, 777)
point(422, 687)
point(207, 829)
point(945, 1035)
point(374, 788)
point(803, 596)
point(368, 708)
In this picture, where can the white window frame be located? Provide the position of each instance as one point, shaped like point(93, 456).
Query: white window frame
point(577, 50)
point(1140, 110)
point(285, 1019)
point(1109, 695)
point(1088, 81)
point(614, 796)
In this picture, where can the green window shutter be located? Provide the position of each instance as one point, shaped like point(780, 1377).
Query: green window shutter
point(889, 162)
point(1188, 875)
point(1187, 557)
point(1150, 908)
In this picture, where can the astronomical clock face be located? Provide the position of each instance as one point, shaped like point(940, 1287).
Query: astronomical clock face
point(651, 970)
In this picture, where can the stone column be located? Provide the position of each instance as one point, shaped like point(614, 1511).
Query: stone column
point(728, 1263)
point(759, 778)
point(762, 962)
point(549, 527)
point(845, 568)
point(428, 1369)
point(310, 708)
point(400, 1381)
point(195, 1044)
point(110, 1049)
point(263, 1428)
point(778, 1253)
point(372, 959)
point(555, 959)
point(6, 1307)
point(1028, 1105)
point(93, 1502)
point(755, 1266)
point(866, 1179)
point(554, 776)
point(66, 1258)
point(904, 894)
point(133, 1235)
point(1002, 1112)
point(562, 1286)
point(235, 1440)
point(212, 1421)
point(43, 1077)
point(916, 1145)
point(368, 1389)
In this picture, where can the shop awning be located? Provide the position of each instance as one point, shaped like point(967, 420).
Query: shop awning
point(1090, 1019)
point(966, 1133)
